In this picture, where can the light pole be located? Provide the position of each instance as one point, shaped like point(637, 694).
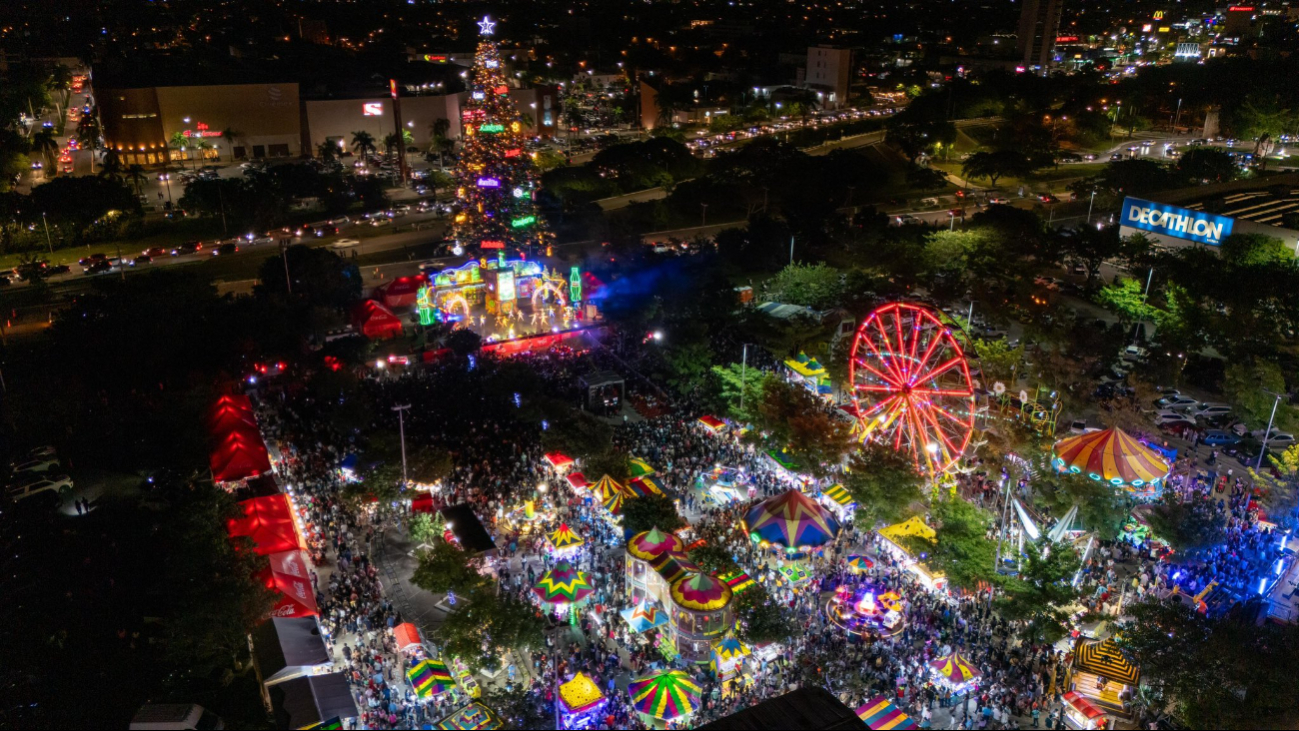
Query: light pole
point(1089, 206)
point(1268, 433)
point(703, 216)
point(401, 427)
point(50, 241)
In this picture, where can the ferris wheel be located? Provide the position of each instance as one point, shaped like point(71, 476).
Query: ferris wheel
point(911, 385)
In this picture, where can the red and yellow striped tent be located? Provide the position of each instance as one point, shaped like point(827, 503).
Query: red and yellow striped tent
point(1110, 455)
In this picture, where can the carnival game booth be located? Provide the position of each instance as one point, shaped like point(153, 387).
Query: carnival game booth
point(728, 662)
point(881, 713)
point(725, 485)
point(408, 639)
point(786, 467)
point(810, 374)
point(563, 587)
point(642, 581)
point(895, 543)
point(667, 697)
point(700, 612)
point(791, 522)
point(646, 615)
point(955, 673)
point(839, 501)
point(1102, 676)
point(580, 703)
point(1114, 457)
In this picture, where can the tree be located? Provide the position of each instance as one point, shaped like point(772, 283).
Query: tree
point(1214, 672)
point(817, 286)
point(111, 166)
point(961, 549)
point(998, 361)
point(78, 203)
point(797, 421)
point(424, 529)
point(712, 556)
point(363, 144)
point(438, 141)
point(645, 513)
point(689, 356)
point(1256, 250)
point(320, 277)
point(1127, 299)
point(1189, 526)
point(994, 165)
point(759, 618)
point(328, 151)
point(486, 624)
point(885, 484)
point(1091, 247)
point(229, 134)
point(577, 434)
point(45, 144)
point(1207, 164)
point(464, 342)
point(1040, 592)
point(611, 463)
point(1249, 385)
point(924, 178)
point(445, 568)
point(732, 380)
point(135, 174)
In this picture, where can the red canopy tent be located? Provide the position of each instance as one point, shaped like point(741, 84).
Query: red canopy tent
point(287, 574)
point(375, 321)
point(407, 636)
point(269, 522)
point(400, 292)
point(422, 502)
point(239, 456)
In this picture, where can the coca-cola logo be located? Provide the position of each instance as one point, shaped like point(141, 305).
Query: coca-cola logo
point(300, 589)
point(285, 610)
point(293, 566)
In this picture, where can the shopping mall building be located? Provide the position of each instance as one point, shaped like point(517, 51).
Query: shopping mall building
point(271, 120)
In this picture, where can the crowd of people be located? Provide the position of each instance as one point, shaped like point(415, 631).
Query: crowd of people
point(498, 461)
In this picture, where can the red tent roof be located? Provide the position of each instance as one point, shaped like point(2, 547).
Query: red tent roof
point(375, 321)
point(269, 522)
point(400, 292)
point(239, 456)
point(407, 636)
point(287, 574)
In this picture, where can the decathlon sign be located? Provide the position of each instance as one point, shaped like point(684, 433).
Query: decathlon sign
point(1179, 223)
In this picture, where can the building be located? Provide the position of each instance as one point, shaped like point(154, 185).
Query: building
point(828, 72)
point(1237, 208)
point(141, 122)
point(1039, 24)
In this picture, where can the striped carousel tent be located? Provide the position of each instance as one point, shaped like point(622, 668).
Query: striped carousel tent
point(565, 538)
point(881, 714)
point(666, 696)
point(1102, 657)
point(838, 495)
point(607, 487)
point(653, 543)
point(955, 669)
point(563, 584)
point(701, 592)
point(613, 503)
point(430, 678)
point(792, 521)
point(1109, 455)
point(644, 486)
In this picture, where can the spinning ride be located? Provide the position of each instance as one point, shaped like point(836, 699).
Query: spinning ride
point(911, 385)
point(870, 609)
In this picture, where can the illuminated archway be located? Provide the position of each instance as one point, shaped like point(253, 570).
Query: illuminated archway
point(452, 301)
point(550, 289)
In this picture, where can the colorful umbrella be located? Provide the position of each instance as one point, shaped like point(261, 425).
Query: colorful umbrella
point(860, 564)
point(701, 592)
point(473, 717)
point(1110, 456)
point(430, 678)
point(880, 714)
point(645, 615)
point(666, 696)
point(563, 585)
point(638, 468)
point(580, 694)
point(730, 650)
point(653, 543)
point(791, 520)
point(565, 538)
point(954, 668)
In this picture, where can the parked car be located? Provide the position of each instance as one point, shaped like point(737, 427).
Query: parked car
point(33, 466)
point(51, 483)
point(345, 243)
point(1277, 439)
point(1211, 411)
point(1177, 403)
point(225, 249)
point(1219, 438)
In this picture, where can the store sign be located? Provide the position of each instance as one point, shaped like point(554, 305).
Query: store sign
point(201, 130)
point(372, 109)
point(1180, 223)
point(436, 57)
point(1066, 39)
point(505, 286)
point(492, 244)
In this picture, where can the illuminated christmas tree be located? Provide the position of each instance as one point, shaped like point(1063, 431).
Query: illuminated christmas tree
point(496, 181)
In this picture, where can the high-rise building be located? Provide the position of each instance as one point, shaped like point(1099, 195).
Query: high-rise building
point(496, 182)
point(828, 72)
point(1039, 24)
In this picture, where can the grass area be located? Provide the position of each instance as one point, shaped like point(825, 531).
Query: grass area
point(1046, 177)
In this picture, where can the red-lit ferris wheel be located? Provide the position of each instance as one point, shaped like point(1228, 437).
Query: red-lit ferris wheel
point(911, 385)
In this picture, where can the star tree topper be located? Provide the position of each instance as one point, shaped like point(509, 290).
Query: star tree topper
point(486, 26)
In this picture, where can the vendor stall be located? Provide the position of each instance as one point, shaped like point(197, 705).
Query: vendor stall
point(473, 717)
point(1101, 674)
point(728, 657)
point(646, 615)
point(667, 696)
point(954, 672)
point(577, 481)
point(838, 500)
point(880, 713)
point(895, 544)
point(580, 703)
point(1080, 713)
point(564, 542)
point(430, 678)
point(559, 461)
point(792, 522)
point(713, 424)
point(407, 637)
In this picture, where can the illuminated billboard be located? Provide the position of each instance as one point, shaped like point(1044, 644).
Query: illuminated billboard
point(1180, 223)
point(372, 109)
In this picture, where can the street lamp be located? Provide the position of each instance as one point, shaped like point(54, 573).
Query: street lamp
point(1089, 206)
point(703, 217)
point(401, 426)
point(1268, 433)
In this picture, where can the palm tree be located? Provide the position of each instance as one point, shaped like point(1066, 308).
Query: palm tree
point(111, 167)
point(88, 131)
point(363, 144)
point(45, 144)
point(391, 142)
point(135, 173)
point(439, 141)
point(327, 150)
point(231, 134)
point(178, 141)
